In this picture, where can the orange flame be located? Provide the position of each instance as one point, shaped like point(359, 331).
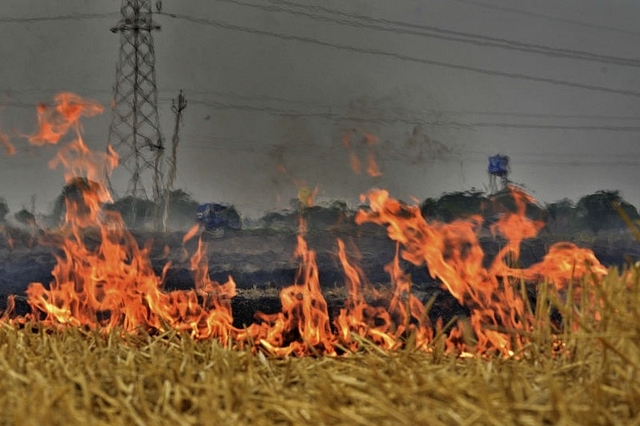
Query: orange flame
point(55, 122)
point(6, 143)
point(355, 163)
point(372, 166)
point(453, 255)
point(304, 312)
point(369, 141)
point(307, 196)
point(104, 280)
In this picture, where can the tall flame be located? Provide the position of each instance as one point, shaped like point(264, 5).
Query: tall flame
point(452, 254)
point(104, 280)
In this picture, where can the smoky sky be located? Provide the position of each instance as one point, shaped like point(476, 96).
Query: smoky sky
point(274, 86)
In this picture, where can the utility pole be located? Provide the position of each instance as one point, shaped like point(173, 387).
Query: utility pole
point(135, 128)
point(177, 107)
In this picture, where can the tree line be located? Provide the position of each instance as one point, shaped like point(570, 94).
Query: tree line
point(595, 212)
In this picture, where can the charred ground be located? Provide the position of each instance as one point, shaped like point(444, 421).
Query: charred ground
point(261, 261)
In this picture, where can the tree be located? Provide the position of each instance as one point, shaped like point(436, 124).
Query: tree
point(135, 212)
point(429, 208)
point(563, 216)
point(4, 209)
point(25, 217)
point(454, 205)
point(597, 211)
point(182, 204)
point(73, 193)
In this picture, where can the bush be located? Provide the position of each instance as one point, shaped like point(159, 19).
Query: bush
point(4, 209)
point(136, 212)
point(597, 212)
point(25, 217)
point(454, 205)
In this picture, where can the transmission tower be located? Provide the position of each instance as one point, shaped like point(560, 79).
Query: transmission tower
point(135, 128)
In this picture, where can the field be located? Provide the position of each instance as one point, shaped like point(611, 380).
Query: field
point(585, 374)
point(401, 319)
point(546, 337)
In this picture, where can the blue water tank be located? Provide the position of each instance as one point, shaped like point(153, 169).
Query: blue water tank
point(499, 165)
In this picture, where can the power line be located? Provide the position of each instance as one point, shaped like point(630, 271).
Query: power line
point(381, 24)
point(488, 41)
point(246, 145)
point(576, 159)
point(269, 98)
point(557, 127)
point(71, 17)
point(326, 115)
point(338, 116)
point(549, 17)
point(406, 58)
point(543, 115)
point(419, 111)
point(576, 163)
point(402, 120)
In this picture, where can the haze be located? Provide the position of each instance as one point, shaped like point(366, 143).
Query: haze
point(275, 85)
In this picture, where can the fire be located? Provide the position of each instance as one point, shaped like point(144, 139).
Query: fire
point(6, 143)
point(55, 122)
point(369, 142)
point(304, 312)
point(452, 254)
point(104, 280)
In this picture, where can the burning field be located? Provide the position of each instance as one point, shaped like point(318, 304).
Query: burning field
point(108, 341)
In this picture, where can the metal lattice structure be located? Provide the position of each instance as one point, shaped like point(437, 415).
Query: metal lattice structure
point(135, 128)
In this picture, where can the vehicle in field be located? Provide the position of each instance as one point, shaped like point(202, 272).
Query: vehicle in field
point(216, 218)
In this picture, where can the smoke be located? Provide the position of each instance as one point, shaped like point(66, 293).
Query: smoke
point(374, 143)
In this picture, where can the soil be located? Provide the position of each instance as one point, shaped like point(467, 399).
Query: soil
point(261, 263)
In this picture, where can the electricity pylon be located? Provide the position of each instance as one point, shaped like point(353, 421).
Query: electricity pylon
point(135, 128)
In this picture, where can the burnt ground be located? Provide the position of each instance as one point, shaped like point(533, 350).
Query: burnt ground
point(261, 263)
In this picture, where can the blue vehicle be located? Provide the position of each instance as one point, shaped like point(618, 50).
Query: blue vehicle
point(215, 218)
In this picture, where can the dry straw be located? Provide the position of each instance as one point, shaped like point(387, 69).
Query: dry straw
point(591, 377)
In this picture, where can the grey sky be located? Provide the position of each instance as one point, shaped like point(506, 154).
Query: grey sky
point(279, 85)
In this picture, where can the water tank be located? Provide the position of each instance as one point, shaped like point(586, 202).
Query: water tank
point(499, 165)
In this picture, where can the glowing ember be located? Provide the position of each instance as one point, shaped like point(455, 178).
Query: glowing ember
point(109, 283)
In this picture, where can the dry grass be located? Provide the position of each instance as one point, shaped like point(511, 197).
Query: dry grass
point(80, 377)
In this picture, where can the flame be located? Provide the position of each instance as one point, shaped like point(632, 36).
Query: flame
point(355, 163)
point(453, 255)
point(353, 158)
point(357, 316)
point(6, 143)
point(383, 325)
point(104, 280)
point(191, 233)
point(369, 141)
point(55, 122)
point(304, 312)
point(372, 166)
point(307, 195)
